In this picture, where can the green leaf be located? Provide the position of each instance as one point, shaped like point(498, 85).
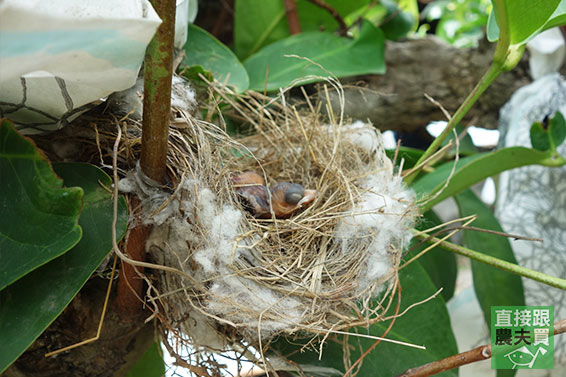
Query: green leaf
point(557, 130)
point(193, 73)
point(493, 286)
point(151, 363)
point(492, 28)
point(540, 139)
point(427, 324)
point(411, 7)
point(472, 169)
point(39, 219)
point(440, 264)
point(523, 19)
point(340, 56)
point(258, 23)
point(205, 50)
point(28, 306)
point(314, 18)
point(398, 22)
point(410, 156)
point(549, 134)
point(558, 18)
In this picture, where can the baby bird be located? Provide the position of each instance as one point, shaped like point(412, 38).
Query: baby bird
point(248, 178)
point(255, 196)
point(285, 198)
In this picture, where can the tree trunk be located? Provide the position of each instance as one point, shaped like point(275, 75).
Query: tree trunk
point(396, 99)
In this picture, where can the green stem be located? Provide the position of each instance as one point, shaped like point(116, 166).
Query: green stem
point(555, 161)
point(506, 266)
point(494, 70)
point(158, 71)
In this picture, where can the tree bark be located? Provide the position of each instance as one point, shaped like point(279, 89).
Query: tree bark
point(396, 99)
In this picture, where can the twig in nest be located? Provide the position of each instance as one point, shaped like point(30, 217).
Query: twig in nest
point(366, 352)
point(322, 4)
point(453, 232)
point(477, 354)
point(199, 371)
point(439, 105)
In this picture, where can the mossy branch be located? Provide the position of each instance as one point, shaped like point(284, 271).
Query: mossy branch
point(157, 93)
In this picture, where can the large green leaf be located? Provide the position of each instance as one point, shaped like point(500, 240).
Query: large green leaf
point(523, 18)
point(472, 169)
point(151, 363)
point(427, 324)
point(339, 56)
point(493, 286)
point(258, 23)
point(558, 18)
point(205, 50)
point(39, 219)
point(440, 264)
point(29, 305)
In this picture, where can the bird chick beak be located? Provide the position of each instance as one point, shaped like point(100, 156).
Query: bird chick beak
point(308, 198)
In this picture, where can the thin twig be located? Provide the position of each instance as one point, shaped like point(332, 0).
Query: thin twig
point(494, 70)
point(100, 322)
point(495, 262)
point(372, 347)
point(439, 105)
point(503, 234)
point(322, 4)
point(477, 354)
point(292, 16)
point(361, 17)
point(199, 371)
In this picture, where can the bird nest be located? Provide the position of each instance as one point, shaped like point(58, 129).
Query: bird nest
point(241, 279)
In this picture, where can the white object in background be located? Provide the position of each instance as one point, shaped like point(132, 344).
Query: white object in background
point(481, 137)
point(547, 51)
point(185, 14)
point(531, 200)
point(57, 57)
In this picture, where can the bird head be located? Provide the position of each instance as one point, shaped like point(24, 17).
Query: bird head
point(287, 198)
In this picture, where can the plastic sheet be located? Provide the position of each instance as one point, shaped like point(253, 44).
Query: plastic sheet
point(61, 58)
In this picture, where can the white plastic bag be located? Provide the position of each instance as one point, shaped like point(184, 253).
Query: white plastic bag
point(59, 57)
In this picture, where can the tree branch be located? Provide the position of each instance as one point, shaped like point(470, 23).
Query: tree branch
point(396, 100)
point(157, 93)
point(292, 16)
point(468, 357)
point(322, 4)
point(499, 263)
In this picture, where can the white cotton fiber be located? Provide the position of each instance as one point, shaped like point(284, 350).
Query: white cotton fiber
point(382, 217)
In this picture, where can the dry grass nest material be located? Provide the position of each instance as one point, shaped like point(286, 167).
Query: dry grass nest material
point(244, 279)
